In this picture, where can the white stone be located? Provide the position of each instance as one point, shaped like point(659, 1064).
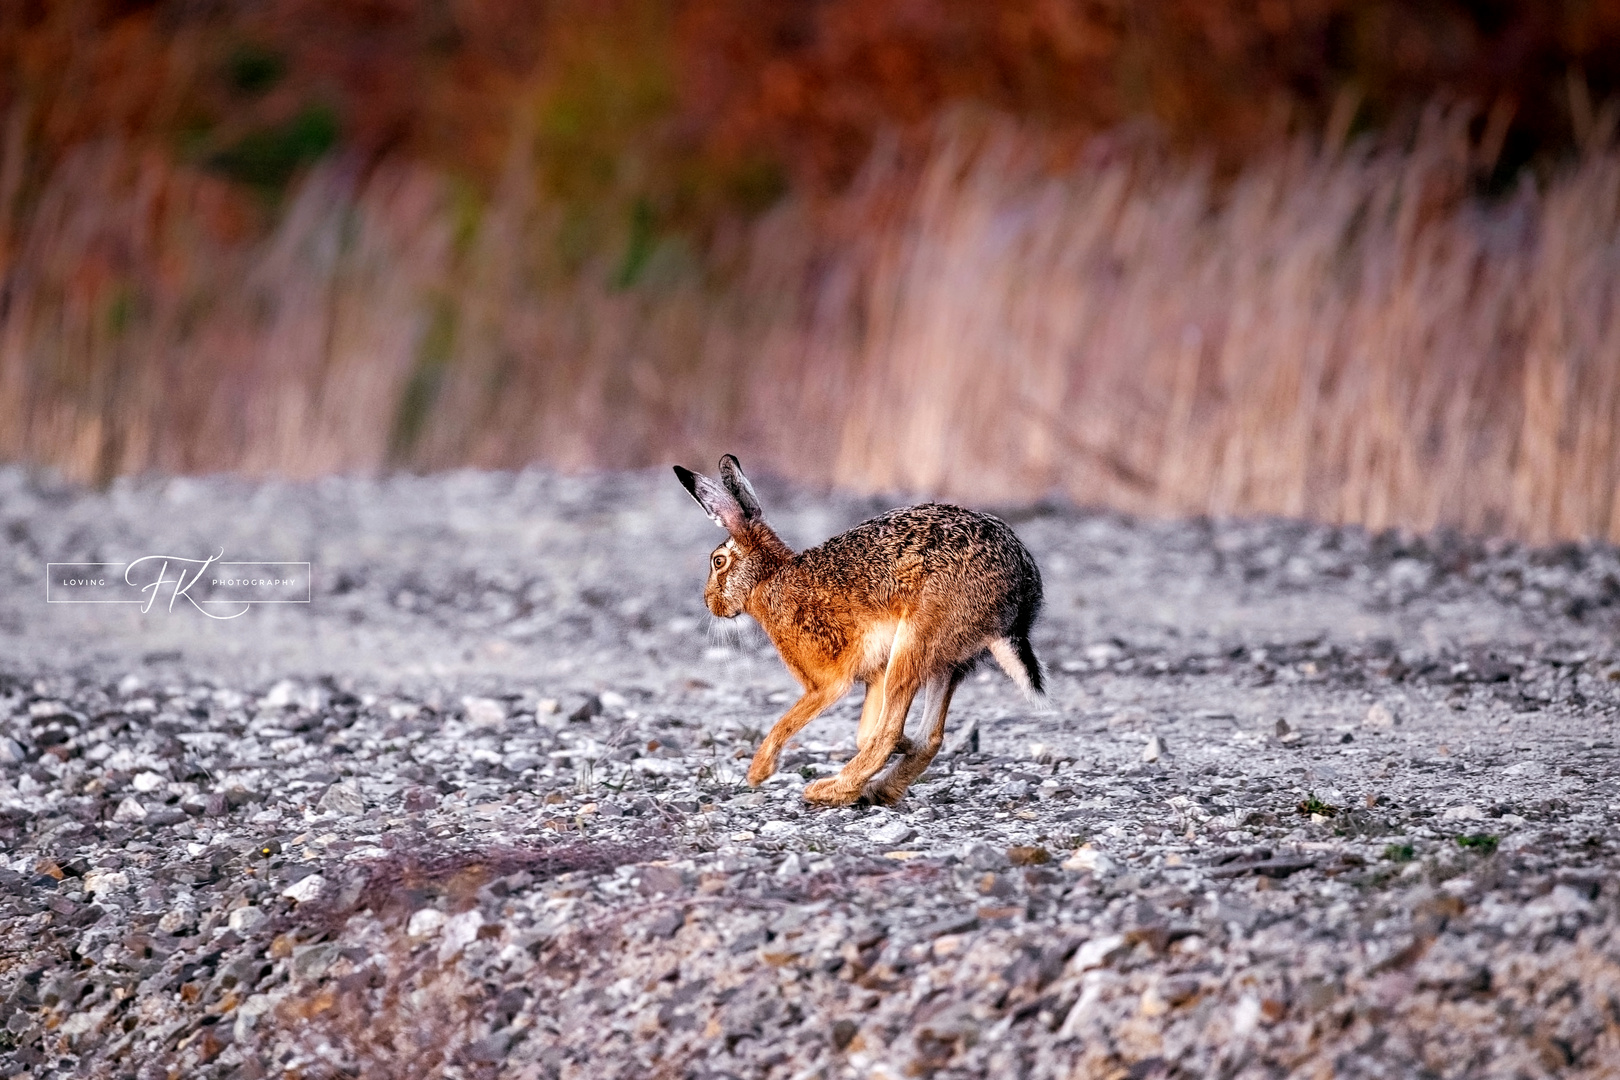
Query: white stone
point(1380, 717)
point(286, 692)
point(459, 932)
point(281, 695)
point(776, 830)
point(103, 882)
point(245, 918)
point(483, 712)
point(1155, 749)
point(129, 810)
point(425, 923)
point(176, 920)
point(343, 799)
point(1088, 858)
point(1246, 1016)
point(1563, 900)
point(1466, 812)
point(304, 889)
point(147, 781)
point(1098, 952)
point(891, 832)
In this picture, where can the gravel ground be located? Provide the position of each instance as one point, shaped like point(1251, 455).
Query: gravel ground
point(1303, 802)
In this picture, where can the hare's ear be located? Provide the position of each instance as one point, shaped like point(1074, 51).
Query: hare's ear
point(716, 501)
point(731, 475)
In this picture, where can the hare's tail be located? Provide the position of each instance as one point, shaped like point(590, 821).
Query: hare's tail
point(1017, 659)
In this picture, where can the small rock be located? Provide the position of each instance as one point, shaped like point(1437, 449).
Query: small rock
point(1379, 717)
point(102, 882)
point(1155, 749)
point(425, 923)
point(490, 1049)
point(792, 866)
point(890, 833)
point(305, 889)
point(245, 918)
point(129, 810)
point(964, 740)
point(1091, 860)
point(666, 924)
point(1466, 812)
point(1246, 1016)
point(661, 879)
point(177, 919)
point(484, 712)
point(343, 799)
point(311, 961)
point(147, 781)
point(777, 830)
point(459, 932)
point(11, 752)
point(613, 700)
point(984, 857)
point(1098, 952)
point(286, 692)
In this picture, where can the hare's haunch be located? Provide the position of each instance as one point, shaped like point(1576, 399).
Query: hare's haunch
point(910, 600)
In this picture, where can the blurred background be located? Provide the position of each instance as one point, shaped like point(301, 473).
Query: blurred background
point(1344, 259)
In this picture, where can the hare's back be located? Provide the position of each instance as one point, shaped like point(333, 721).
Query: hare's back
point(932, 550)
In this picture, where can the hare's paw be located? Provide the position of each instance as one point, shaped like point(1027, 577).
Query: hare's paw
point(763, 766)
point(827, 792)
point(883, 791)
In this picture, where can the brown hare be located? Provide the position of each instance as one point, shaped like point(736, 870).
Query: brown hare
point(907, 601)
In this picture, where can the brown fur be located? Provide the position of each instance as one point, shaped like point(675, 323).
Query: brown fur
point(907, 601)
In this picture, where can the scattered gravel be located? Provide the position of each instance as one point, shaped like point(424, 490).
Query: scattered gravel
point(1304, 801)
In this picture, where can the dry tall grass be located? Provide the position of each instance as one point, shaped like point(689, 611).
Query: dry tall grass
point(1341, 333)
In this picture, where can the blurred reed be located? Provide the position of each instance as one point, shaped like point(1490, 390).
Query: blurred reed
point(1345, 333)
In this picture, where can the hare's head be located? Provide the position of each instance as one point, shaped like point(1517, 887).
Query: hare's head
point(751, 553)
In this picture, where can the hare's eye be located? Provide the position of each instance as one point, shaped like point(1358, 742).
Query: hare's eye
point(719, 561)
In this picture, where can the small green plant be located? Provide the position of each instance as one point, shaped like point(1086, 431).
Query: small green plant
point(1310, 804)
point(1399, 852)
point(807, 771)
point(1484, 843)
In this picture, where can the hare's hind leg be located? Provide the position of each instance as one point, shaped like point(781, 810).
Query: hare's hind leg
point(803, 711)
point(890, 788)
point(872, 714)
point(901, 681)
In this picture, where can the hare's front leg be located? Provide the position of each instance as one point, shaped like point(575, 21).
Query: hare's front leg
point(803, 711)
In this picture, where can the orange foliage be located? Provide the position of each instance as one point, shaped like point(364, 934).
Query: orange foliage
point(807, 84)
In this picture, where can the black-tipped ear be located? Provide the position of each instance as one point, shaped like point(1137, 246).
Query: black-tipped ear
point(723, 509)
point(731, 475)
